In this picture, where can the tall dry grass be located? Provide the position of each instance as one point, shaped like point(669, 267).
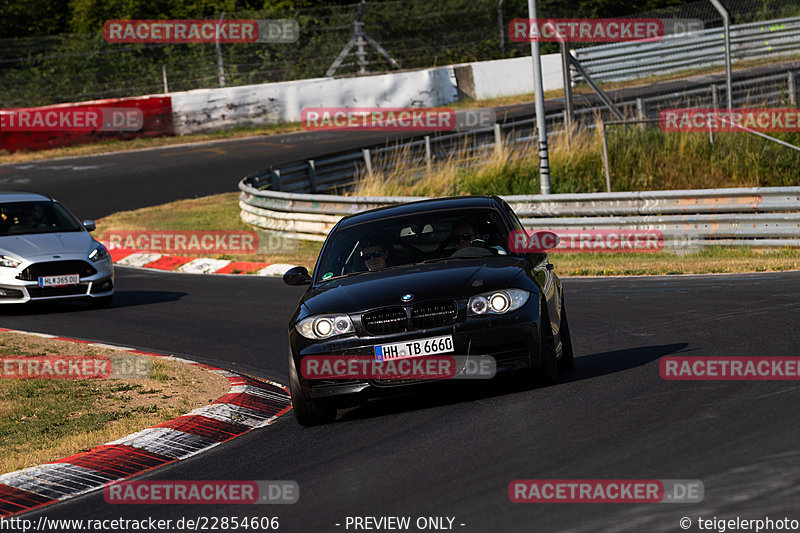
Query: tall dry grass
point(641, 158)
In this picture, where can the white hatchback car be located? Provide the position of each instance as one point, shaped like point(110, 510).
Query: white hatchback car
point(46, 253)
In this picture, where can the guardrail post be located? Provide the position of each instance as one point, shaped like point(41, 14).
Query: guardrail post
point(710, 133)
point(605, 157)
point(312, 175)
point(428, 162)
point(367, 160)
point(498, 139)
point(792, 89)
point(640, 111)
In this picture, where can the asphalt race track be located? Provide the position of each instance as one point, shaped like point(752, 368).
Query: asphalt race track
point(454, 453)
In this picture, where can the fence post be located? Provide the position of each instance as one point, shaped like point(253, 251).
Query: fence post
point(605, 157)
point(498, 139)
point(428, 162)
point(312, 175)
point(220, 68)
point(714, 96)
point(367, 160)
point(164, 77)
point(792, 89)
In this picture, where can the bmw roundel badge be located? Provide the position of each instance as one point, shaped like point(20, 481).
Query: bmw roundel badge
point(407, 297)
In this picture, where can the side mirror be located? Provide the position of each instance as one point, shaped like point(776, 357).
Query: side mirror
point(89, 225)
point(297, 276)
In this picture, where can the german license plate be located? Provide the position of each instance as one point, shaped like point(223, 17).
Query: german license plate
point(415, 348)
point(59, 281)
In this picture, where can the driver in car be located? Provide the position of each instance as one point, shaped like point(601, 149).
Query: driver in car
point(464, 234)
point(375, 253)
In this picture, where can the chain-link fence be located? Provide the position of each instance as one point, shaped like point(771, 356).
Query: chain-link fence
point(414, 33)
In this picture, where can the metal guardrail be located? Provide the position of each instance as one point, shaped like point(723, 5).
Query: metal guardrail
point(767, 216)
point(705, 48)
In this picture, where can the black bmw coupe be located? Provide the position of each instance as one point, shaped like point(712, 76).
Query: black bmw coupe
point(417, 281)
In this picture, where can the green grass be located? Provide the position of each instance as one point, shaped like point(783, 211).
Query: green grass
point(711, 260)
point(219, 212)
point(42, 420)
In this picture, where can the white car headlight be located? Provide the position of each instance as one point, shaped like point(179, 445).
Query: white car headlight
point(9, 261)
point(101, 252)
point(324, 326)
point(497, 302)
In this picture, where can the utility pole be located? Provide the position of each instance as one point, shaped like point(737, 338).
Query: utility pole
point(538, 95)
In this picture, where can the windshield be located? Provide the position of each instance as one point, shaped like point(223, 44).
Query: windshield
point(20, 218)
point(398, 241)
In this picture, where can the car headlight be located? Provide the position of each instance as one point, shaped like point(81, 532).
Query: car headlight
point(101, 252)
point(324, 326)
point(497, 302)
point(9, 262)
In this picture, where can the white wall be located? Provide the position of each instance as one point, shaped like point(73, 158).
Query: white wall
point(213, 109)
point(271, 103)
point(509, 77)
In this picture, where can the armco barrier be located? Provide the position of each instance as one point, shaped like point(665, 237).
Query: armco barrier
point(755, 40)
point(156, 111)
point(768, 216)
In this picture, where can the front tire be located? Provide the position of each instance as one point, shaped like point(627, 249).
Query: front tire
point(308, 412)
point(567, 360)
point(548, 367)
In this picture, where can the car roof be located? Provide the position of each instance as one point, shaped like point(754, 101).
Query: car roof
point(22, 196)
point(422, 206)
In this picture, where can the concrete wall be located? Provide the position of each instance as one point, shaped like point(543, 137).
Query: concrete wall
point(213, 109)
point(509, 77)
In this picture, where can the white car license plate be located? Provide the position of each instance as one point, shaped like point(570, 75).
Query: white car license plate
point(59, 281)
point(415, 348)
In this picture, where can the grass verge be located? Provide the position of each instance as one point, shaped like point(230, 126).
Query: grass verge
point(218, 212)
point(43, 420)
point(221, 212)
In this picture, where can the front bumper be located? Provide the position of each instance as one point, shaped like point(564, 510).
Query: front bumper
point(512, 340)
point(18, 291)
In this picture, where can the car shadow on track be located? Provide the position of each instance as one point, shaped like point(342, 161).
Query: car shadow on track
point(586, 367)
point(121, 299)
point(600, 364)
